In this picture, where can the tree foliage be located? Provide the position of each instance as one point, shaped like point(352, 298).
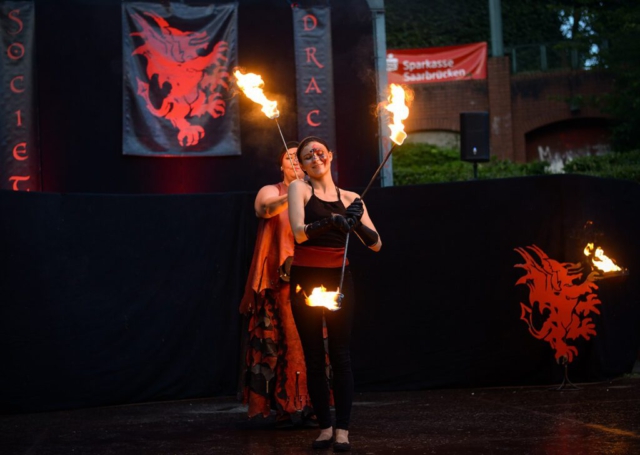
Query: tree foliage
point(417, 24)
point(607, 30)
point(619, 27)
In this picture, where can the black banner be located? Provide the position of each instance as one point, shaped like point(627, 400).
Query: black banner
point(20, 168)
point(314, 73)
point(177, 62)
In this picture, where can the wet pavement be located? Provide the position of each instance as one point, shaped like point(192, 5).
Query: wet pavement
point(602, 418)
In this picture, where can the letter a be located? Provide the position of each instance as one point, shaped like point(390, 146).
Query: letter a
point(313, 86)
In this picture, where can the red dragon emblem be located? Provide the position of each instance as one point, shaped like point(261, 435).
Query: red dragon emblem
point(183, 82)
point(559, 304)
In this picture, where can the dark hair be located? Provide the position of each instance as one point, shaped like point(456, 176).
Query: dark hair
point(306, 141)
point(290, 145)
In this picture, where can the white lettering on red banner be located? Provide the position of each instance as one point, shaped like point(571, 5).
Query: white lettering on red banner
point(437, 64)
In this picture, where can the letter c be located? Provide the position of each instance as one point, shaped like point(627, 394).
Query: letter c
point(311, 122)
point(12, 84)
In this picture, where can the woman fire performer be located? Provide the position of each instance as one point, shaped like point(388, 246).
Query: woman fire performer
point(275, 370)
point(321, 215)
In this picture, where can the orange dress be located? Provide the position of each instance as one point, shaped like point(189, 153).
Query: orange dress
point(275, 376)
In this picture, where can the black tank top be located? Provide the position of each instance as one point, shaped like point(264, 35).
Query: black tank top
point(317, 209)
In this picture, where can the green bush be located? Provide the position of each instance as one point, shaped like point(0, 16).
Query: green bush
point(424, 163)
point(616, 165)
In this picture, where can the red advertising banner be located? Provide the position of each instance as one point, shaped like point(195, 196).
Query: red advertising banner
point(19, 152)
point(177, 64)
point(437, 64)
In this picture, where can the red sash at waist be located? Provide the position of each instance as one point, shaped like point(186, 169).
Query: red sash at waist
point(318, 256)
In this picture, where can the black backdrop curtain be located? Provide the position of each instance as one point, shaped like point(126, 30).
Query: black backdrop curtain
point(109, 299)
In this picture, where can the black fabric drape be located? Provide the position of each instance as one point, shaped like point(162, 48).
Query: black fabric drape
point(117, 299)
point(438, 306)
point(111, 299)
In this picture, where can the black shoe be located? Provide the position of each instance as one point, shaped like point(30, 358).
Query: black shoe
point(322, 444)
point(341, 447)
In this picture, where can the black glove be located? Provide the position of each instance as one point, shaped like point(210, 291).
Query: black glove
point(335, 221)
point(354, 212)
point(368, 236)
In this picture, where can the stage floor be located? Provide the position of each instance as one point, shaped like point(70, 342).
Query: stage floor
point(602, 418)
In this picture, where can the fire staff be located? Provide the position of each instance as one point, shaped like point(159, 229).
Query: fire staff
point(321, 215)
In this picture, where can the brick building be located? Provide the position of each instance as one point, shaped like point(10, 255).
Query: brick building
point(541, 115)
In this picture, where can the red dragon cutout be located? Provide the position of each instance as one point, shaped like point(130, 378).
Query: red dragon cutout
point(555, 297)
point(192, 82)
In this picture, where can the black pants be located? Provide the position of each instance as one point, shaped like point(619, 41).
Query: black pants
point(309, 324)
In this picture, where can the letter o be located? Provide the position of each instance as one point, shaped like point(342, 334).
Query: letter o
point(20, 51)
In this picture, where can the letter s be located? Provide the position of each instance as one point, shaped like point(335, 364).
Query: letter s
point(13, 15)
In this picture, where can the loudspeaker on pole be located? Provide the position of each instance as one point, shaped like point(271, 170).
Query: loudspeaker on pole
point(474, 136)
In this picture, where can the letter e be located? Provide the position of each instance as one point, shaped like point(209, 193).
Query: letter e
point(20, 151)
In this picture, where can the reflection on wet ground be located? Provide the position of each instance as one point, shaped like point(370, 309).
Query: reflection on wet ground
point(602, 418)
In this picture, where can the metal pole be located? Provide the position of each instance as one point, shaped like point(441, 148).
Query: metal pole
point(495, 17)
point(346, 244)
point(344, 264)
point(378, 171)
point(285, 147)
point(380, 55)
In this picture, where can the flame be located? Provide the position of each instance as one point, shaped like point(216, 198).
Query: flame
point(400, 111)
point(251, 84)
point(320, 297)
point(600, 260)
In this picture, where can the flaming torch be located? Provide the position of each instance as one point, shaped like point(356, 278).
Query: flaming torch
point(400, 111)
point(251, 85)
point(602, 262)
point(321, 297)
point(398, 108)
